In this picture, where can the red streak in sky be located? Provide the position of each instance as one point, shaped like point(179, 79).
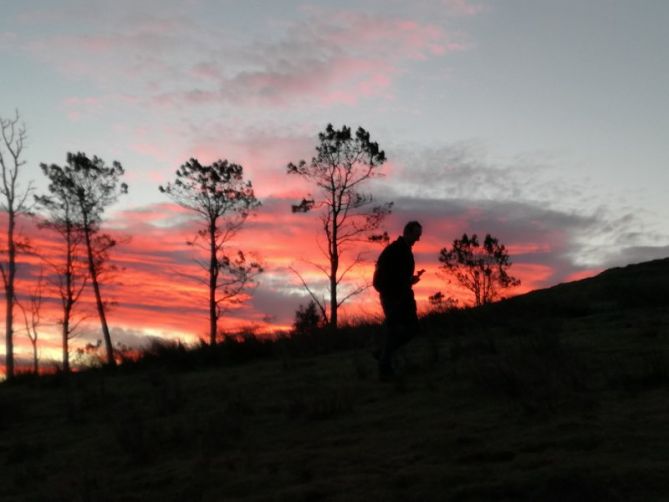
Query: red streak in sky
point(160, 292)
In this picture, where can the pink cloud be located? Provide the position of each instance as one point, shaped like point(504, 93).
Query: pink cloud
point(154, 151)
point(206, 70)
point(387, 38)
point(463, 7)
point(159, 292)
point(262, 153)
point(329, 57)
point(341, 58)
point(340, 80)
point(528, 248)
point(81, 107)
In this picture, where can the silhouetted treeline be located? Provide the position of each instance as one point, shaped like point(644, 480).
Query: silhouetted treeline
point(84, 187)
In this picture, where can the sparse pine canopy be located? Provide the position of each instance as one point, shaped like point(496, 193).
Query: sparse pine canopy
point(92, 186)
point(223, 200)
point(343, 163)
point(62, 215)
point(480, 269)
point(60, 203)
point(213, 191)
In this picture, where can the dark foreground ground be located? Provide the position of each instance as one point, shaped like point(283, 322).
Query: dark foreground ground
point(560, 395)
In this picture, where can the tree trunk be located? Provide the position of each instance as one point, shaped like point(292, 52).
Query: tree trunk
point(213, 279)
point(334, 266)
point(35, 361)
point(67, 301)
point(98, 297)
point(9, 295)
point(66, 348)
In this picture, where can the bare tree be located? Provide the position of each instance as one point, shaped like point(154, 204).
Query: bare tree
point(483, 270)
point(71, 275)
point(14, 202)
point(93, 186)
point(221, 198)
point(343, 162)
point(32, 316)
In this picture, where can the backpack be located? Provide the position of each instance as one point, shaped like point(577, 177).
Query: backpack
point(377, 280)
point(380, 279)
point(384, 273)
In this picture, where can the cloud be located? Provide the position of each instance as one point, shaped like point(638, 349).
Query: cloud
point(263, 151)
point(331, 57)
point(128, 337)
point(322, 56)
point(160, 291)
point(79, 107)
point(7, 40)
point(635, 254)
point(596, 225)
point(463, 7)
point(153, 59)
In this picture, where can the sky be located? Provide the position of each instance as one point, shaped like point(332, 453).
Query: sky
point(543, 123)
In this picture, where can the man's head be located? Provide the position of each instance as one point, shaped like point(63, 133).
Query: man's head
point(412, 232)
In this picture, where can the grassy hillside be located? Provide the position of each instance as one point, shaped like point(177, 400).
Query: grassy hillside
point(561, 394)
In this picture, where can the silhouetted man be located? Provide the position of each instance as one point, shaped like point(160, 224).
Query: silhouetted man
point(393, 279)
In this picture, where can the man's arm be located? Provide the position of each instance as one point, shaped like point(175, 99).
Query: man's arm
point(416, 277)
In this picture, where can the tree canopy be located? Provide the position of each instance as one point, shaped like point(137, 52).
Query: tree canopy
point(482, 269)
point(343, 163)
point(223, 200)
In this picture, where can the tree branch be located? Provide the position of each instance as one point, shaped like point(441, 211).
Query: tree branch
point(320, 304)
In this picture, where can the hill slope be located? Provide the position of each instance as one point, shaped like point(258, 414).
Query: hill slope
point(557, 395)
point(639, 285)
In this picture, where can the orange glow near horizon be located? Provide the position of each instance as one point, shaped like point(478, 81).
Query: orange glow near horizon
point(159, 291)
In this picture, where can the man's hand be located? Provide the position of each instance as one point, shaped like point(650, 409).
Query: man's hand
point(416, 277)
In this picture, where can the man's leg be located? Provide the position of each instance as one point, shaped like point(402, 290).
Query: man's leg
point(402, 326)
point(392, 342)
point(409, 324)
point(379, 341)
